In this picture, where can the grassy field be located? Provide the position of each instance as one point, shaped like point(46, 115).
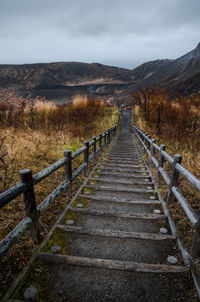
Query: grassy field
point(34, 134)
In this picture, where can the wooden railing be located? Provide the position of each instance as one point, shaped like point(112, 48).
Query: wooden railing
point(26, 186)
point(172, 181)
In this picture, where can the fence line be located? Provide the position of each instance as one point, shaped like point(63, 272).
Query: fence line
point(172, 181)
point(26, 186)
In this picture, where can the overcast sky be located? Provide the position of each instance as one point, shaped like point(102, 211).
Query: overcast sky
point(114, 32)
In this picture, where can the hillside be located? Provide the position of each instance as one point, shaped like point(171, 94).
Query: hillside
point(61, 81)
point(52, 74)
point(177, 70)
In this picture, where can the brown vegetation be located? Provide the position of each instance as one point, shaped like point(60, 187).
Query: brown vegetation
point(177, 125)
point(34, 134)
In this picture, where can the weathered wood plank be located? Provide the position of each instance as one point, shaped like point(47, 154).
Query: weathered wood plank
point(52, 196)
point(118, 189)
point(129, 175)
point(12, 237)
point(48, 171)
point(107, 164)
point(112, 264)
point(119, 200)
point(115, 233)
point(122, 182)
point(78, 152)
point(109, 213)
point(130, 170)
point(11, 193)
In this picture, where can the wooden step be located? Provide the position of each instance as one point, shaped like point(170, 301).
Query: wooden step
point(121, 182)
point(108, 213)
point(115, 233)
point(129, 175)
point(120, 189)
point(111, 264)
point(121, 162)
point(135, 158)
point(122, 169)
point(107, 164)
point(119, 200)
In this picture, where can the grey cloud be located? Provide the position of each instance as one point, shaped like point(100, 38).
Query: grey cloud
point(116, 32)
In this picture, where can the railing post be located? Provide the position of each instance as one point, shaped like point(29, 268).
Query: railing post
point(174, 178)
point(30, 202)
point(105, 141)
point(143, 138)
point(115, 129)
point(160, 161)
point(100, 141)
point(195, 249)
point(148, 143)
point(153, 141)
point(145, 142)
point(94, 148)
point(86, 157)
point(107, 138)
point(111, 133)
point(68, 169)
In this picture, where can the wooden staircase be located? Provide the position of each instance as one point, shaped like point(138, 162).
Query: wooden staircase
point(109, 246)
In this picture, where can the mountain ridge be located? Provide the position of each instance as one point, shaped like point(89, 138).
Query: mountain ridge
point(114, 83)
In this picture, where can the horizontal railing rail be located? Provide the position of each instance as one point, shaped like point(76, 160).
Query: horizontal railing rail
point(172, 181)
point(26, 186)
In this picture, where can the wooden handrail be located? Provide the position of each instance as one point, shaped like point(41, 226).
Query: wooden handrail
point(26, 186)
point(174, 193)
point(171, 181)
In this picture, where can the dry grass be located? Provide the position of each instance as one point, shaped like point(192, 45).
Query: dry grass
point(188, 147)
point(34, 135)
point(40, 145)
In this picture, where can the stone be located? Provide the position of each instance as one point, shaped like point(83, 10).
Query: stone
point(79, 205)
point(163, 231)
point(146, 180)
point(149, 188)
point(92, 183)
point(87, 193)
point(171, 260)
point(55, 249)
point(156, 211)
point(31, 294)
point(152, 197)
point(70, 222)
point(96, 176)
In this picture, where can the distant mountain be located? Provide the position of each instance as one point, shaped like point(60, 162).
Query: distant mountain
point(177, 70)
point(144, 71)
point(53, 74)
point(61, 81)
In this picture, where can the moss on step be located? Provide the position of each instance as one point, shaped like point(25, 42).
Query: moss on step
point(86, 189)
point(57, 238)
point(84, 201)
point(70, 215)
point(93, 182)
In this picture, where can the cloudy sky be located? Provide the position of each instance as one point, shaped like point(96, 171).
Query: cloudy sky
point(115, 32)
